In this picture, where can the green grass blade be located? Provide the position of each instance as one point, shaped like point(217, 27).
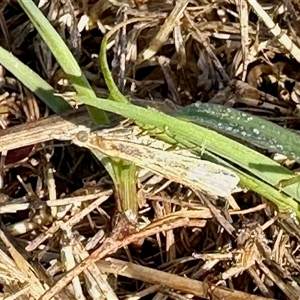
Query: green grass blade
point(246, 127)
point(125, 183)
point(63, 56)
point(124, 173)
point(33, 82)
point(283, 202)
point(115, 93)
point(189, 135)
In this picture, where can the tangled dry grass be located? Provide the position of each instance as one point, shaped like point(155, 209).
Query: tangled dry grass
point(57, 203)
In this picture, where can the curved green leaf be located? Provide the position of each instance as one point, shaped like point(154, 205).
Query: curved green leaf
point(244, 126)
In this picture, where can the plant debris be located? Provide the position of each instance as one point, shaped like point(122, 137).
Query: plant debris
point(61, 233)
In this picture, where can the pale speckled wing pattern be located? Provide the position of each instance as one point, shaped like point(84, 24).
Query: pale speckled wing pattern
point(180, 165)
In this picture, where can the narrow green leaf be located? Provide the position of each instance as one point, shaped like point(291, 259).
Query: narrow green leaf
point(63, 56)
point(125, 183)
point(115, 94)
point(246, 127)
point(284, 202)
point(124, 175)
point(33, 82)
point(189, 134)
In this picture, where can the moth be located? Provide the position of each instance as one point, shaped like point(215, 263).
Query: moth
point(146, 152)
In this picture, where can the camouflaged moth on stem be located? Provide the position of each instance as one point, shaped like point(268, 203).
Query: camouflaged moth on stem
point(177, 165)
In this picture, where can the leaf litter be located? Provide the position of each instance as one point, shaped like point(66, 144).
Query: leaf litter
point(57, 203)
